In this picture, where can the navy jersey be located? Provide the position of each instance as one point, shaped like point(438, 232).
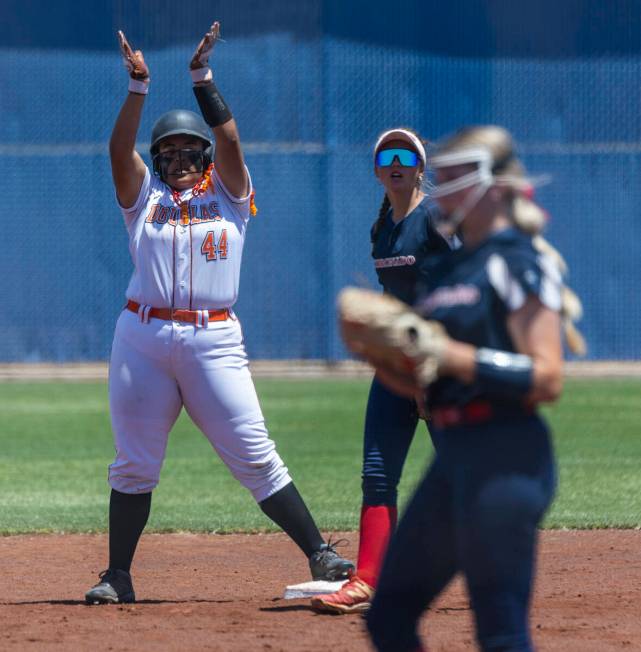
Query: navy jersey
point(400, 250)
point(472, 292)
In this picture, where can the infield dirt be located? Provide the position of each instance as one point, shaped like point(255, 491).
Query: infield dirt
point(224, 593)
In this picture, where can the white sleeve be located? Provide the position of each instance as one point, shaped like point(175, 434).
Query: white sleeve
point(132, 213)
point(239, 204)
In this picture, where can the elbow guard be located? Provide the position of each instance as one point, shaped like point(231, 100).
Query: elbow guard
point(212, 105)
point(504, 373)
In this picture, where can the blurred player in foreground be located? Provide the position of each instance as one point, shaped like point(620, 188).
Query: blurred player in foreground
point(490, 353)
point(403, 236)
point(178, 342)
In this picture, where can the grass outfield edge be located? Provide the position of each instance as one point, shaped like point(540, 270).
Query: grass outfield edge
point(97, 371)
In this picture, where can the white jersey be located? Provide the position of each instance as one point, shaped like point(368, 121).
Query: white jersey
point(187, 258)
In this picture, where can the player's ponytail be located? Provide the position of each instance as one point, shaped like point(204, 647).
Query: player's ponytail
point(527, 215)
point(530, 218)
point(571, 309)
point(571, 312)
point(382, 214)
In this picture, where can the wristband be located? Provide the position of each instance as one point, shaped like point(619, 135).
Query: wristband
point(201, 74)
point(212, 105)
point(139, 86)
point(504, 373)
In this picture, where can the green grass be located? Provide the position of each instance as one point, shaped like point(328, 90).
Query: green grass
point(55, 445)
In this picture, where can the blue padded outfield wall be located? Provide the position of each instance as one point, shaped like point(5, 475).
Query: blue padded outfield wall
point(311, 84)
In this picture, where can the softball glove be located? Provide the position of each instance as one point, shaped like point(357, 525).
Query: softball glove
point(405, 349)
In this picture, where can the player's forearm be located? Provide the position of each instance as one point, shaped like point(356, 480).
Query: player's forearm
point(229, 158)
point(513, 375)
point(547, 382)
point(229, 154)
point(123, 137)
point(227, 135)
point(459, 361)
point(218, 116)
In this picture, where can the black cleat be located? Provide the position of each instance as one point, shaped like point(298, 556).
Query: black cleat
point(114, 587)
point(326, 564)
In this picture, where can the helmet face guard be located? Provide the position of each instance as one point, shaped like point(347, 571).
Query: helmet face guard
point(482, 178)
point(181, 123)
point(482, 158)
point(189, 161)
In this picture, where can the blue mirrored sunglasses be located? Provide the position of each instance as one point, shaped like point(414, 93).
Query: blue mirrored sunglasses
point(406, 157)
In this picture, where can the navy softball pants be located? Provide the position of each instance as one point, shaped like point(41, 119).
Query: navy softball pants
point(390, 423)
point(475, 512)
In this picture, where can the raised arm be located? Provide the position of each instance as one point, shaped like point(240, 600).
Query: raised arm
point(127, 167)
point(228, 159)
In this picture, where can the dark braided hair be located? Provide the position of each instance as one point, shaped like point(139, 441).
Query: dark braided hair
point(385, 205)
point(382, 214)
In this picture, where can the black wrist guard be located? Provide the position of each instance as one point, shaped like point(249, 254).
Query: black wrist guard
point(501, 372)
point(212, 105)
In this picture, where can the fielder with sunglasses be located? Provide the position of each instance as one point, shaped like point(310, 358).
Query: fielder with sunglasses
point(178, 342)
point(403, 237)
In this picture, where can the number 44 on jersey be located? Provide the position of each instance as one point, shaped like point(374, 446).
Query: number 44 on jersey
point(213, 250)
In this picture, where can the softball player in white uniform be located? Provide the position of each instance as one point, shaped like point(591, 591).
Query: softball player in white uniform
point(178, 342)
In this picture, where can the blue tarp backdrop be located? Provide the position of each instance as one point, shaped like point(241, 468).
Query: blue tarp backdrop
point(311, 84)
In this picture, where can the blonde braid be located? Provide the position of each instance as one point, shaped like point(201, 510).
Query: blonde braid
point(571, 308)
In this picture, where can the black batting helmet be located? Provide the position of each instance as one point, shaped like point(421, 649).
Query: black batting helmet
point(180, 121)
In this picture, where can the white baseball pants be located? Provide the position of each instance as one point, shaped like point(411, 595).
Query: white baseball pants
point(159, 366)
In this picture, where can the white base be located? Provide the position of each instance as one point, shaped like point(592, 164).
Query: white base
point(310, 589)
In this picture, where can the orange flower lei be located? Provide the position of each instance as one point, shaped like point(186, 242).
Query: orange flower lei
point(204, 183)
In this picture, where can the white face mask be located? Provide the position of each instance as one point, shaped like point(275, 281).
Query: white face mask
point(482, 178)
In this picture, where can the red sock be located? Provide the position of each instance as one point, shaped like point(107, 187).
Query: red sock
point(377, 524)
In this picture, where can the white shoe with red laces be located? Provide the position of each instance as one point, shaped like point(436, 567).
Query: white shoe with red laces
point(355, 596)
